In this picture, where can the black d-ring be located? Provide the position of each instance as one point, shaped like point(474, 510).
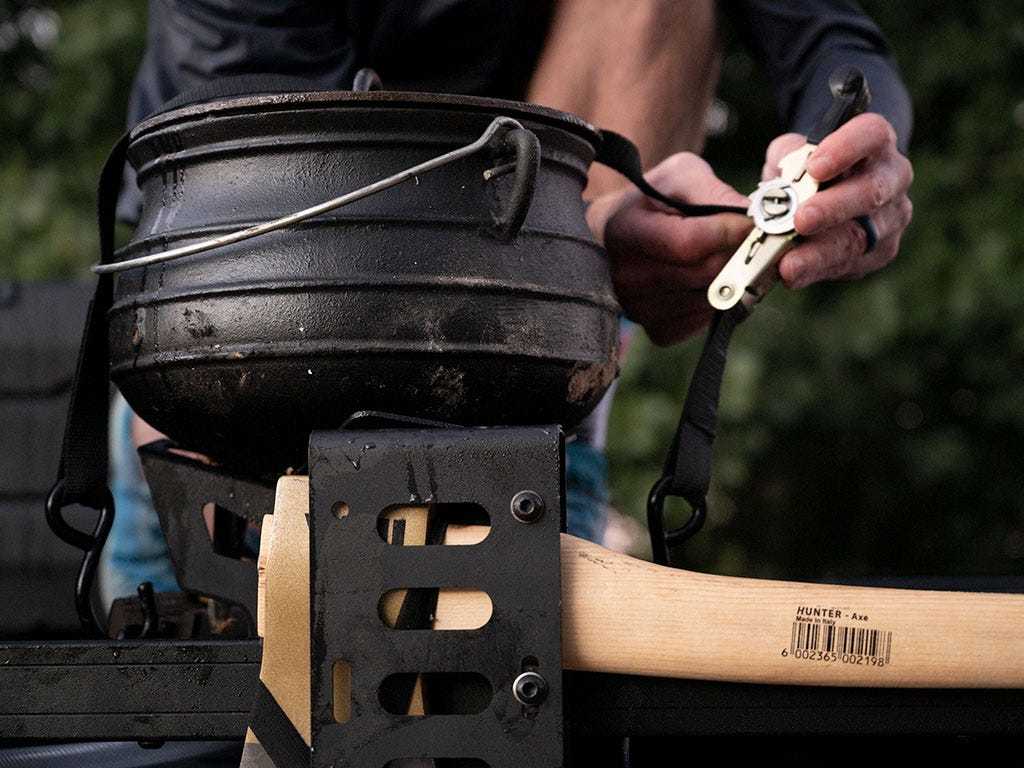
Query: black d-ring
point(90, 544)
point(662, 540)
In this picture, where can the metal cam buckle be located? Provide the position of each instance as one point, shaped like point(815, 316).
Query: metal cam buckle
point(751, 271)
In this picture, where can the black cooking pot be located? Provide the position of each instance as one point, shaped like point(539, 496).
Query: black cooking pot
point(472, 293)
point(425, 299)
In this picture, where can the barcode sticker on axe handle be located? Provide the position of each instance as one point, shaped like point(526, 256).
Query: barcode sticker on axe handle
point(848, 641)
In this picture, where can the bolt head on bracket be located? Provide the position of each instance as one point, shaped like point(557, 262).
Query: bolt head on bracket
point(527, 506)
point(530, 689)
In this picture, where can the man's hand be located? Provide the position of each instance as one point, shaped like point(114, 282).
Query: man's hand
point(661, 262)
point(869, 177)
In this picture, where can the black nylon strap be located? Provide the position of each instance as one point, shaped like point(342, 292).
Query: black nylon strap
point(416, 612)
point(83, 463)
point(277, 734)
point(620, 154)
point(687, 471)
point(688, 464)
point(420, 603)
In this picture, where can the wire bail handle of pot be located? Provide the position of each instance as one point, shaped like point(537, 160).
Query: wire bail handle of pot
point(504, 134)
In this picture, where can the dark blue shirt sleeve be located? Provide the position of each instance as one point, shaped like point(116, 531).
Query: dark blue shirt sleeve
point(800, 42)
point(191, 42)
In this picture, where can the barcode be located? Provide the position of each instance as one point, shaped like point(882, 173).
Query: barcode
point(851, 641)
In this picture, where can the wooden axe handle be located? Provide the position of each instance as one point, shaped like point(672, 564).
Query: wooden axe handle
point(621, 614)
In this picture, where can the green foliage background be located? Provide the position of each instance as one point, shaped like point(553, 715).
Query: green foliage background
point(875, 427)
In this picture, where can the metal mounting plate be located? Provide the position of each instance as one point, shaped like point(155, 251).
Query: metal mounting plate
point(517, 565)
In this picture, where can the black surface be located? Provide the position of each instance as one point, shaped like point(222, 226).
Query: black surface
point(192, 690)
point(124, 755)
point(619, 704)
point(278, 737)
point(114, 691)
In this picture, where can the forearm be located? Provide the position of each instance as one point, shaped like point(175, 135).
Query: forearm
point(643, 68)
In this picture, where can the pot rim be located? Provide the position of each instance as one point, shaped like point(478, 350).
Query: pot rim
point(281, 101)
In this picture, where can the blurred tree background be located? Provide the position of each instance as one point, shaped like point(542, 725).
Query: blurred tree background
point(868, 428)
point(67, 68)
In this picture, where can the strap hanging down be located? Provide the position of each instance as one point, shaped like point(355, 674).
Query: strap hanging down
point(688, 466)
point(281, 744)
point(82, 474)
point(83, 464)
point(687, 472)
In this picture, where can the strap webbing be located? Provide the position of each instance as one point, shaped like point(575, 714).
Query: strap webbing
point(620, 154)
point(277, 734)
point(687, 471)
point(83, 463)
point(688, 464)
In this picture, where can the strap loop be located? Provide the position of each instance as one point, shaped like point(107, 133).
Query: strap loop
point(90, 544)
point(661, 539)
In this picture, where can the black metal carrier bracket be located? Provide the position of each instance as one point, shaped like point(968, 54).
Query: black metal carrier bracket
point(515, 476)
point(181, 486)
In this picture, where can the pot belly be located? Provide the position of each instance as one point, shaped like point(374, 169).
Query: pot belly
point(245, 376)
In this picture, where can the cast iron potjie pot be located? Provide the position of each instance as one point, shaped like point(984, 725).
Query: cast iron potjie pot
point(428, 299)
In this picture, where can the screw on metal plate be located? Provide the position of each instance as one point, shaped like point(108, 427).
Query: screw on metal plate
point(774, 204)
point(530, 689)
point(527, 506)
